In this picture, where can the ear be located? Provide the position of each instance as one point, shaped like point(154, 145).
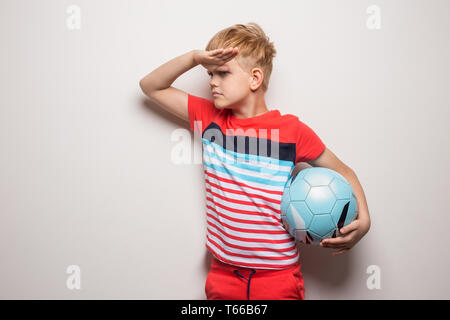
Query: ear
point(256, 79)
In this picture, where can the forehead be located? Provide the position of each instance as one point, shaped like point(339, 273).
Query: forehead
point(230, 65)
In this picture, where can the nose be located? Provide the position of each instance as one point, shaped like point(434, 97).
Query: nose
point(213, 80)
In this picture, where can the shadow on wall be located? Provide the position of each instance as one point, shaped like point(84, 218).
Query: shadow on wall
point(319, 266)
point(155, 110)
point(207, 262)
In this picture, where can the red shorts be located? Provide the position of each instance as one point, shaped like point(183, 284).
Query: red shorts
point(229, 282)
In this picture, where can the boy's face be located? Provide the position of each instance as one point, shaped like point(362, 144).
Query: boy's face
point(233, 84)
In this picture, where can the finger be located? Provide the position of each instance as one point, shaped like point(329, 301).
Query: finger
point(338, 252)
point(227, 58)
point(224, 57)
point(223, 50)
point(334, 246)
point(216, 52)
point(334, 242)
point(227, 52)
point(350, 227)
point(229, 49)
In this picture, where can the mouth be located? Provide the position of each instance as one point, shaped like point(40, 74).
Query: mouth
point(216, 94)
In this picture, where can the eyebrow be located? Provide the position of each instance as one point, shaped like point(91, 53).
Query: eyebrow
point(218, 70)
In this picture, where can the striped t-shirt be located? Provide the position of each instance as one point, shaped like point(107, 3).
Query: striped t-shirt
point(246, 164)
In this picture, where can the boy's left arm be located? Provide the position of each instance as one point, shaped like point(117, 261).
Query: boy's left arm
point(354, 231)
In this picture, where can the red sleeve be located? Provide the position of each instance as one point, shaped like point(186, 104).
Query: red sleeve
point(309, 146)
point(201, 109)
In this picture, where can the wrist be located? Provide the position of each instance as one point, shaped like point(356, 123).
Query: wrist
point(194, 56)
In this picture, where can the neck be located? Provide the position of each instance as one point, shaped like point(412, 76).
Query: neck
point(253, 108)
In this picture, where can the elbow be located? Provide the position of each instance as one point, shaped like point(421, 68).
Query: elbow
point(366, 226)
point(345, 170)
point(141, 85)
point(145, 87)
point(349, 170)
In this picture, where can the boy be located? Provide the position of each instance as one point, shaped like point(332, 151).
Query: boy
point(248, 155)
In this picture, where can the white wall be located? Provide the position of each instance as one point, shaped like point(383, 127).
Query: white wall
point(86, 176)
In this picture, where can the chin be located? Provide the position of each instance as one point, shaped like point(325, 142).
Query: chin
point(219, 105)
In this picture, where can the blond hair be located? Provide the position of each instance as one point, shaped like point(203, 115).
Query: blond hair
point(255, 48)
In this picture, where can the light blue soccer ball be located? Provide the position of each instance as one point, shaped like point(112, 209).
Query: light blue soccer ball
point(317, 202)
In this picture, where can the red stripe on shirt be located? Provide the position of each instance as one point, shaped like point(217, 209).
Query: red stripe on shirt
point(243, 184)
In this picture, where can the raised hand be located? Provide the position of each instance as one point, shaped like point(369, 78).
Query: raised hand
point(213, 59)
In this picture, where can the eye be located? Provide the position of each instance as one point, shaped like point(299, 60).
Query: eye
point(221, 72)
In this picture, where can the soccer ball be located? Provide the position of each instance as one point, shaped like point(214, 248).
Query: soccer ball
point(316, 203)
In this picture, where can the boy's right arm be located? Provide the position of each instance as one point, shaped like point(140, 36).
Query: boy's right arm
point(157, 85)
